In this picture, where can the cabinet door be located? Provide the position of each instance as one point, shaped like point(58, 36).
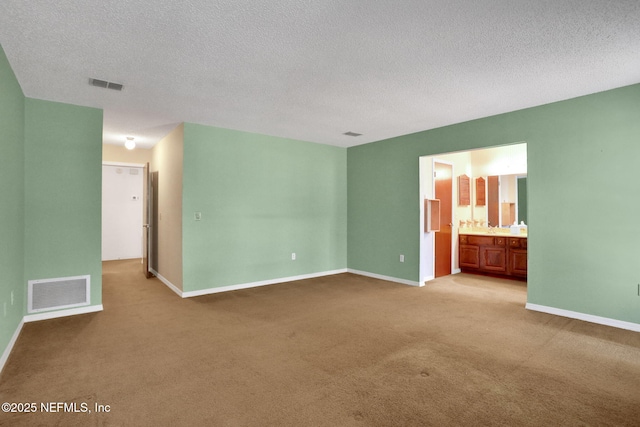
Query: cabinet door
point(464, 191)
point(518, 262)
point(493, 259)
point(469, 256)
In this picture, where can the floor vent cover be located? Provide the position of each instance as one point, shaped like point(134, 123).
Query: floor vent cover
point(54, 294)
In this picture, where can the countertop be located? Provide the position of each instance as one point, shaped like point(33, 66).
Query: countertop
point(504, 232)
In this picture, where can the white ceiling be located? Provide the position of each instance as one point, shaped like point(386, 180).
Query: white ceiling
point(312, 70)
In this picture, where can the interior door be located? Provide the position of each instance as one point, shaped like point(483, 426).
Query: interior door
point(444, 192)
point(146, 220)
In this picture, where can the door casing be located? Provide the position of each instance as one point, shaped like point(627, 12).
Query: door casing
point(443, 190)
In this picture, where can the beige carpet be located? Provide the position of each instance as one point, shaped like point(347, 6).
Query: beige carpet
point(342, 350)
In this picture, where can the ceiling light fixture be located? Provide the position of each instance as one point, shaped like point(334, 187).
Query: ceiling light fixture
point(129, 143)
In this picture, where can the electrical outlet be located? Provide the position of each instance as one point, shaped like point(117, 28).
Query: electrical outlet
point(401, 258)
point(293, 256)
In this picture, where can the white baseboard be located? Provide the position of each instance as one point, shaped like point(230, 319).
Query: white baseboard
point(121, 259)
point(208, 291)
point(387, 278)
point(454, 271)
point(12, 342)
point(164, 280)
point(62, 313)
point(260, 283)
point(586, 317)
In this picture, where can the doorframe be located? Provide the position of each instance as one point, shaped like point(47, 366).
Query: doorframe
point(424, 246)
point(435, 160)
point(427, 243)
point(120, 164)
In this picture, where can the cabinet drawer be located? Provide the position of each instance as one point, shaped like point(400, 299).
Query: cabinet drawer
point(518, 242)
point(481, 240)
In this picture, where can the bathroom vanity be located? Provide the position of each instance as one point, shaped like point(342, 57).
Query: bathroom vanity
point(494, 254)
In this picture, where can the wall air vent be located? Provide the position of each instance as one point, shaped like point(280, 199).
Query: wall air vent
point(352, 133)
point(54, 294)
point(106, 85)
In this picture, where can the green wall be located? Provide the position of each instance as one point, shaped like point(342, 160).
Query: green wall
point(50, 193)
point(261, 199)
point(583, 193)
point(11, 202)
point(63, 187)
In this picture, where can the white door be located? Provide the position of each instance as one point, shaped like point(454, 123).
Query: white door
point(121, 212)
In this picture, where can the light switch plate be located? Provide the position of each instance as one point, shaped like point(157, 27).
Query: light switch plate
point(198, 216)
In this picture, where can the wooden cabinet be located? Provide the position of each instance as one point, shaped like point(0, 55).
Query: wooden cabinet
point(518, 256)
point(493, 259)
point(469, 256)
point(498, 255)
point(464, 191)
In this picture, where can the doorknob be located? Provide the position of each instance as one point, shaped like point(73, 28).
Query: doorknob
point(146, 226)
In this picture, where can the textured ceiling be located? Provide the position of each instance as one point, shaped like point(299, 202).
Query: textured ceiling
point(312, 70)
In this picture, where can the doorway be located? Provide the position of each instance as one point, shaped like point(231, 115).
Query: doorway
point(443, 184)
point(121, 211)
point(476, 165)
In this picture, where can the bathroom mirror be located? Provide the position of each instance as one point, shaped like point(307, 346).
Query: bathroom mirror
point(506, 199)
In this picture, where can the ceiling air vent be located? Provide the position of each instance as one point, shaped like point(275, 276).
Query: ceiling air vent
point(352, 133)
point(105, 84)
